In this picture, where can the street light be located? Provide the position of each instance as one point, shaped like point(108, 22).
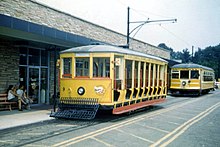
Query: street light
point(141, 24)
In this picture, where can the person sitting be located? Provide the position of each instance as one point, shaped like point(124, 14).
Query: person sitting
point(14, 97)
point(22, 94)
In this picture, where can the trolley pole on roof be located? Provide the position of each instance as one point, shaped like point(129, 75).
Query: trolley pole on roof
point(141, 24)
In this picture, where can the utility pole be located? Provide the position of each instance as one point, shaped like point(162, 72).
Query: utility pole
point(141, 24)
point(128, 29)
point(192, 52)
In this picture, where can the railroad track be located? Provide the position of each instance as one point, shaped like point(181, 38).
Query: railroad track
point(33, 133)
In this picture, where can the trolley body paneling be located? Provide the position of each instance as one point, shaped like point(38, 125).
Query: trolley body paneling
point(114, 78)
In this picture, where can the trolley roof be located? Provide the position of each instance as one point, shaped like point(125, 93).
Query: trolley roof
point(110, 49)
point(191, 65)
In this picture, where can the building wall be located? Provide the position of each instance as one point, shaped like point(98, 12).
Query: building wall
point(32, 11)
point(9, 65)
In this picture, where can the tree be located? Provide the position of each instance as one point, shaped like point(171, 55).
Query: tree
point(176, 55)
point(210, 57)
point(186, 56)
point(172, 53)
point(164, 46)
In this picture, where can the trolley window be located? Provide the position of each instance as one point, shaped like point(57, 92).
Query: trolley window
point(175, 75)
point(184, 74)
point(101, 67)
point(82, 67)
point(128, 72)
point(194, 74)
point(208, 76)
point(67, 68)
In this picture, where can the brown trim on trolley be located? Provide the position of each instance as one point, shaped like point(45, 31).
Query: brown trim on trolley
point(132, 107)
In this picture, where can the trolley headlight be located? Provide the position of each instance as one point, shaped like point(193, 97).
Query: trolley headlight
point(184, 83)
point(81, 90)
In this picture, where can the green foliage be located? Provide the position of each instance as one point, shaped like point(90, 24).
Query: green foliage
point(186, 57)
point(210, 57)
point(164, 46)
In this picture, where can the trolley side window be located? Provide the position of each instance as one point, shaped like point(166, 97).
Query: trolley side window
point(194, 74)
point(118, 72)
point(82, 67)
point(128, 73)
point(101, 67)
point(67, 68)
point(184, 74)
point(208, 76)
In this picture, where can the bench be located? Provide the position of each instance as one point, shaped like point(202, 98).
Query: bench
point(4, 103)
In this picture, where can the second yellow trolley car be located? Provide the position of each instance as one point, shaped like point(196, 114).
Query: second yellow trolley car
point(191, 79)
point(108, 78)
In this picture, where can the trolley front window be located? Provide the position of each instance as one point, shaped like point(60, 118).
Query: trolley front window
point(101, 67)
point(184, 74)
point(67, 68)
point(194, 74)
point(175, 75)
point(82, 67)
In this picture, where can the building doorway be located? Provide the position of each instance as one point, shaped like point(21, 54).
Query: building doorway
point(34, 74)
point(34, 84)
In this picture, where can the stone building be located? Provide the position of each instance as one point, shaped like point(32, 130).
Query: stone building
point(31, 36)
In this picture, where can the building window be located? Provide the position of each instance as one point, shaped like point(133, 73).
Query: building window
point(23, 56)
point(34, 57)
point(44, 60)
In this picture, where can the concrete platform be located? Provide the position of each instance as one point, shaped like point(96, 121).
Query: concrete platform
point(14, 118)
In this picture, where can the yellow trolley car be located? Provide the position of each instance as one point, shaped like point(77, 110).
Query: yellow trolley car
point(108, 78)
point(191, 79)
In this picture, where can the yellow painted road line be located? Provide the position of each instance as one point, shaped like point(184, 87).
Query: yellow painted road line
point(191, 111)
point(181, 129)
point(141, 138)
point(170, 122)
point(185, 113)
point(30, 133)
point(99, 132)
point(66, 125)
point(121, 124)
point(173, 116)
point(9, 141)
point(153, 128)
point(37, 145)
point(165, 131)
point(174, 123)
point(105, 143)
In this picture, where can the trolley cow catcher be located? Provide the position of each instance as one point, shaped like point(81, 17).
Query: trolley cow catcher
point(108, 78)
point(191, 79)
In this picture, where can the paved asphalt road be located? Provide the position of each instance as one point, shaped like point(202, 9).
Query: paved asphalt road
point(180, 121)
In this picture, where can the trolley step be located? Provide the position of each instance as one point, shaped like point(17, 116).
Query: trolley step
point(77, 109)
point(75, 114)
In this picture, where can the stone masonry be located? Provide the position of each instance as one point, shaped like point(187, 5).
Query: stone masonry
point(9, 67)
point(32, 11)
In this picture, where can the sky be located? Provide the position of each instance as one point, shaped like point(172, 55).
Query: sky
point(198, 21)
